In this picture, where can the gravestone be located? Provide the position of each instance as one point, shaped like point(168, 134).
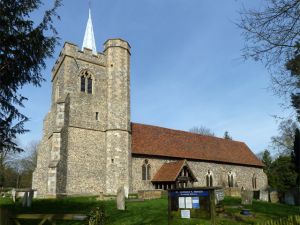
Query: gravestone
point(247, 197)
point(121, 198)
point(13, 195)
point(274, 197)
point(263, 196)
point(126, 189)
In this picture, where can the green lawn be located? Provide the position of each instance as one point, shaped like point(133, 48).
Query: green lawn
point(152, 211)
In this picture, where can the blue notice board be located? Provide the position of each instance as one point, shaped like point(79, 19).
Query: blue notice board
point(195, 202)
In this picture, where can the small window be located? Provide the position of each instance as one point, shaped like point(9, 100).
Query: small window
point(209, 179)
point(230, 180)
point(144, 172)
point(112, 160)
point(254, 180)
point(82, 84)
point(89, 85)
point(97, 116)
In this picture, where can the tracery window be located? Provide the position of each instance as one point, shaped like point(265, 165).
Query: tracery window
point(209, 179)
point(146, 170)
point(86, 82)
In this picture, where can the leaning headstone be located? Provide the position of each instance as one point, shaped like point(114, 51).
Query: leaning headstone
point(13, 194)
point(247, 197)
point(274, 197)
point(121, 198)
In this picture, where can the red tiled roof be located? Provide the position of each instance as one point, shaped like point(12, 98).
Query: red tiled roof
point(169, 171)
point(163, 142)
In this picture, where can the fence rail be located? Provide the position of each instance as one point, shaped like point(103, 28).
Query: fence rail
point(291, 220)
point(8, 218)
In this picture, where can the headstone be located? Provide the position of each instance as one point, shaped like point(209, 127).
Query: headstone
point(289, 198)
point(263, 196)
point(100, 196)
point(29, 199)
point(121, 198)
point(126, 189)
point(13, 194)
point(247, 197)
point(274, 197)
point(24, 200)
point(219, 193)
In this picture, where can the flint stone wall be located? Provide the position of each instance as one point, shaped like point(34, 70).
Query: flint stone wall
point(243, 174)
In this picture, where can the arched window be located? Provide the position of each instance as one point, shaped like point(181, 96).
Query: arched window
point(230, 179)
point(82, 84)
point(146, 169)
point(209, 179)
point(86, 82)
point(89, 85)
point(254, 180)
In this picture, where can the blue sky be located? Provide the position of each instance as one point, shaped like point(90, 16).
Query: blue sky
point(186, 66)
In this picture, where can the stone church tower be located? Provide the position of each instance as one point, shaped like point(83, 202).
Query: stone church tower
point(86, 144)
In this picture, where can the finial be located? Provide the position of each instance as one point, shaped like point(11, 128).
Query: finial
point(89, 38)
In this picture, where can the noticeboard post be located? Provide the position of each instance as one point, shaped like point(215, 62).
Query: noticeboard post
point(192, 205)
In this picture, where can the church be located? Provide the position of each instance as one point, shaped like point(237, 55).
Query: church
point(90, 145)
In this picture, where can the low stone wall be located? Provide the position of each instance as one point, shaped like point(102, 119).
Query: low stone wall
point(150, 194)
point(232, 191)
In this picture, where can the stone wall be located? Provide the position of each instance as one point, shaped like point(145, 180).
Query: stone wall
point(85, 161)
point(243, 174)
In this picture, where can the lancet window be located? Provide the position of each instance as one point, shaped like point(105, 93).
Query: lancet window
point(254, 180)
point(230, 179)
point(209, 179)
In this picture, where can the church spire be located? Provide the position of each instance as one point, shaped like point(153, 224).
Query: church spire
point(89, 38)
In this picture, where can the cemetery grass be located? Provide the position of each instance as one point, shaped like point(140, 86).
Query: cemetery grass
point(152, 211)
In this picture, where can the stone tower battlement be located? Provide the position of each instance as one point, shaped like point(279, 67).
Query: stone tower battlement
point(72, 50)
point(87, 131)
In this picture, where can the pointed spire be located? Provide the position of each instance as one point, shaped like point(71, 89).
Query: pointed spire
point(89, 38)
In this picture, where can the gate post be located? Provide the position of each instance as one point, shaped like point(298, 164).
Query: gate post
point(4, 216)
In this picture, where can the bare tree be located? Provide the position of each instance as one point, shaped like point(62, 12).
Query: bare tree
point(202, 130)
point(284, 141)
point(271, 35)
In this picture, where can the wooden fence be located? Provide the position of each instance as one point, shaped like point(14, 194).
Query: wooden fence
point(7, 218)
point(291, 220)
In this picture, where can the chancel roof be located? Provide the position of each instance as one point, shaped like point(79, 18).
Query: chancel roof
point(162, 142)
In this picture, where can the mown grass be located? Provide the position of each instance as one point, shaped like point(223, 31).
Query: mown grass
point(152, 211)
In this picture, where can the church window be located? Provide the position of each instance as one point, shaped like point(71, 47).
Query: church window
point(146, 169)
point(86, 82)
point(230, 179)
point(209, 179)
point(82, 83)
point(254, 181)
point(89, 85)
point(97, 116)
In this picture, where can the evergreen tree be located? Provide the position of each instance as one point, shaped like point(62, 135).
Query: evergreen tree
point(296, 154)
point(282, 174)
point(267, 160)
point(24, 46)
point(227, 136)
